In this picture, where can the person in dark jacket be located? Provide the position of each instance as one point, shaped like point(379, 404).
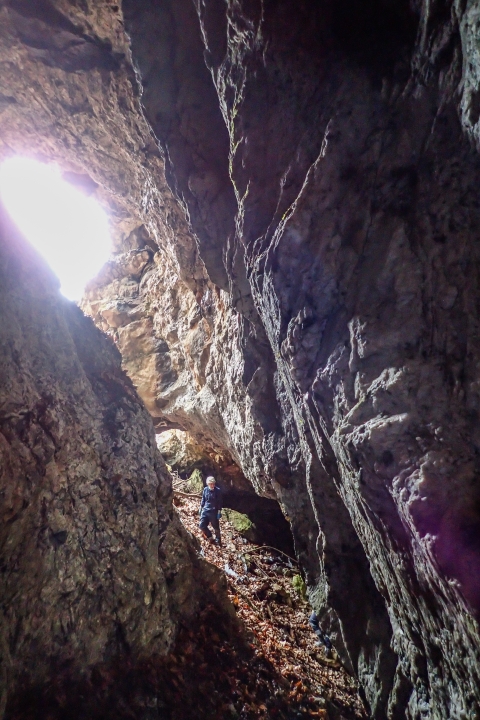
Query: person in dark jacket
point(211, 511)
point(323, 639)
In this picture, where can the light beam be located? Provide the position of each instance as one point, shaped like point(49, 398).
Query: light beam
point(70, 230)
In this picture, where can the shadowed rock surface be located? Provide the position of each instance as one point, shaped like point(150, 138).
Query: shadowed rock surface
point(296, 280)
point(95, 565)
point(356, 203)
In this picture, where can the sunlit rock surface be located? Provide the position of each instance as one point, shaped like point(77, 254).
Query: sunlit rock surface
point(296, 281)
point(184, 453)
point(181, 451)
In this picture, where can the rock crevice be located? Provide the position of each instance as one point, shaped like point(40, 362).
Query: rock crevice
point(296, 280)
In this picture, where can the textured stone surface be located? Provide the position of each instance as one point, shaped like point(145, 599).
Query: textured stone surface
point(183, 453)
point(95, 565)
point(324, 156)
point(154, 297)
point(357, 218)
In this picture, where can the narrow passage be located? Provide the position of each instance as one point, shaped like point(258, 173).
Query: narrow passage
point(261, 586)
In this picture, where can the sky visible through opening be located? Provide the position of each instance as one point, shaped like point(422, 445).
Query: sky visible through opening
point(68, 228)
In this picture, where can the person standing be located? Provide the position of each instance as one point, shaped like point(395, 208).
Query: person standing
point(211, 511)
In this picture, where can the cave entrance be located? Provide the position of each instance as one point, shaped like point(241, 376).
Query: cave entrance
point(59, 217)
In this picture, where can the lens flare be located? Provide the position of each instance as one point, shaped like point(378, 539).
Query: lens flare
point(70, 230)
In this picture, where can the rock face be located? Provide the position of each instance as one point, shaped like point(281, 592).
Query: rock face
point(355, 222)
point(95, 565)
point(181, 451)
point(184, 454)
point(296, 280)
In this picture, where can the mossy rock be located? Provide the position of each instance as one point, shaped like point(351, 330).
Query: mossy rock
point(299, 586)
point(195, 482)
point(242, 524)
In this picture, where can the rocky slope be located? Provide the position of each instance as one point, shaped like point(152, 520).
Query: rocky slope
point(296, 280)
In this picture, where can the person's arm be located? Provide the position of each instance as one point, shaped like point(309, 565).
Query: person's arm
point(202, 503)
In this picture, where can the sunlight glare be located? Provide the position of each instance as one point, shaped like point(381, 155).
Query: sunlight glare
point(69, 229)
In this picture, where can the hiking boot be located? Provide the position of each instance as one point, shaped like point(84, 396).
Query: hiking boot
point(218, 542)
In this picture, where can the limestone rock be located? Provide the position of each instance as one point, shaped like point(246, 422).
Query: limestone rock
point(242, 524)
point(296, 280)
point(195, 482)
point(356, 202)
point(95, 564)
point(179, 450)
point(183, 453)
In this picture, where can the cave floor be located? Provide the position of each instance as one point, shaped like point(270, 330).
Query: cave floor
point(288, 676)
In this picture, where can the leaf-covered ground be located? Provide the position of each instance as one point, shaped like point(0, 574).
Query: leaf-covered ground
point(283, 674)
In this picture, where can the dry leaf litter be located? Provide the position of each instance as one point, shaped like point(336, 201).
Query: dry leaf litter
point(288, 675)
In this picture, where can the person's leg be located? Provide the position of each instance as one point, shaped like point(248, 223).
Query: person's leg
point(323, 639)
point(204, 520)
point(325, 642)
point(313, 622)
point(216, 526)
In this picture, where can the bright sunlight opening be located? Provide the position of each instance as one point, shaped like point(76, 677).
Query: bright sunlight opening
point(68, 228)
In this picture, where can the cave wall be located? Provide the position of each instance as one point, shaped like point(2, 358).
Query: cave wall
point(296, 280)
point(95, 565)
point(89, 525)
point(351, 155)
point(69, 94)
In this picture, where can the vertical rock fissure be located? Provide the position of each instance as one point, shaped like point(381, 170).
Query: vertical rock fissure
point(295, 283)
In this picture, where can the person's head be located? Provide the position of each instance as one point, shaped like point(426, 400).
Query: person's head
point(210, 482)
